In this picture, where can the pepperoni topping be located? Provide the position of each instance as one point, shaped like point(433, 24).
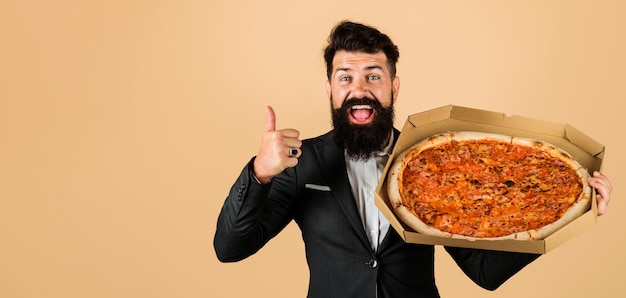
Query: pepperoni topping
point(487, 188)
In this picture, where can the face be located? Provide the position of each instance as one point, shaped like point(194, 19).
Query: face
point(361, 75)
point(362, 94)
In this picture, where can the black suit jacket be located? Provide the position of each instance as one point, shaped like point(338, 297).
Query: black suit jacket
point(316, 194)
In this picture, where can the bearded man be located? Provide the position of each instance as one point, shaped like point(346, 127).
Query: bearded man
point(326, 185)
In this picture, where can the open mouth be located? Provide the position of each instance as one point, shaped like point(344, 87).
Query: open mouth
point(361, 114)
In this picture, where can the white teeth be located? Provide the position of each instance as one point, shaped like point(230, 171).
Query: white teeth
point(359, 107)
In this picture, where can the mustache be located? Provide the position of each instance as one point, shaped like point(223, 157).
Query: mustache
point(354, 101)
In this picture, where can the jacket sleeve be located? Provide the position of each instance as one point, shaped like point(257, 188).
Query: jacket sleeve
point(489, 269)
point(252, 214)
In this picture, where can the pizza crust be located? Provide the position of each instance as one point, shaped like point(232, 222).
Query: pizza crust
point(412, 221)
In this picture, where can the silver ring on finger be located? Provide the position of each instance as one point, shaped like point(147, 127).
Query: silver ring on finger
point(293, 152)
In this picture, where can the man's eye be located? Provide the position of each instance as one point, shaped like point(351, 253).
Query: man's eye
point(344, 79)
point(373, 77)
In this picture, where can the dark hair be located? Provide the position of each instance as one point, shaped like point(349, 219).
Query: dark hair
point(355, 37)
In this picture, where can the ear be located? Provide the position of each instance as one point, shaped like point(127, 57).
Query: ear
point(328, 89)
point(396, 88)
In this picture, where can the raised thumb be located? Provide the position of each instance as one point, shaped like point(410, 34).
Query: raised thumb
point(270, 119)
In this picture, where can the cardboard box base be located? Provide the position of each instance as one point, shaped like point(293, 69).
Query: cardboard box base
point(419, 126)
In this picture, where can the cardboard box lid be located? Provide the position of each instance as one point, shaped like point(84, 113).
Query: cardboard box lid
point(585, 150)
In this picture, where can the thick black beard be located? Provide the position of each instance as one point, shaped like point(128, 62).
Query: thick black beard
point(360, 141)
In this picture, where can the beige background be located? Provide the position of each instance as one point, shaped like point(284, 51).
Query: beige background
point(124, 123)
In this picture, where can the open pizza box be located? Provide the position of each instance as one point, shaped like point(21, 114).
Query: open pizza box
point(585, 150)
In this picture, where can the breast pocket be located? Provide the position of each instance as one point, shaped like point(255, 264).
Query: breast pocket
point(319, 212)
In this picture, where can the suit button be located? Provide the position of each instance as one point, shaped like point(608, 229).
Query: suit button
point(372, 263)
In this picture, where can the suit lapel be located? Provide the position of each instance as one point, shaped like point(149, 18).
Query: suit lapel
point(387, 238)
point(334, 169)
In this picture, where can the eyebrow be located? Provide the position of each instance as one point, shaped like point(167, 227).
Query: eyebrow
point(366, 68)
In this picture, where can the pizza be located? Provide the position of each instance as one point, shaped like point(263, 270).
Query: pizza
point(474, 185)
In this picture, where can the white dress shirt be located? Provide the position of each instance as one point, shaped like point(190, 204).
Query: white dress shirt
point(364, 176)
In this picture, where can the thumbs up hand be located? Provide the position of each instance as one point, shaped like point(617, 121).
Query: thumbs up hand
point(279, 149)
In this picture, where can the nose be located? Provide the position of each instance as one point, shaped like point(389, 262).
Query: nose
point(359, 88)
